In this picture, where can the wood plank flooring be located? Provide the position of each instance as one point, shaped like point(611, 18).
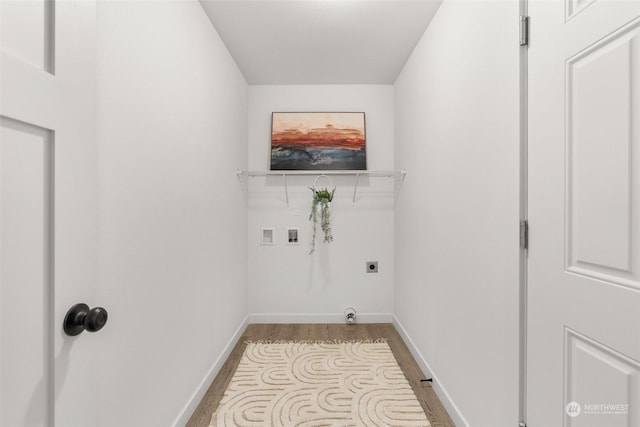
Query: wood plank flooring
point(432, 406)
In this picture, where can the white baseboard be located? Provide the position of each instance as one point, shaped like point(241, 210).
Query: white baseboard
point(197, 396)
point(319, 318)
point(446, 400)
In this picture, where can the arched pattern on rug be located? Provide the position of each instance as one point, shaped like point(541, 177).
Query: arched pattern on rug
point(313, 384)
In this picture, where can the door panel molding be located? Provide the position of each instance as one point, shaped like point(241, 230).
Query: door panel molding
point(36, 46)
point(574, 7)
point(26, 290)
point(602, 235)
point(603, 382)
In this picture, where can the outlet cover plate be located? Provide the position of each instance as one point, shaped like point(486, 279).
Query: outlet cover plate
point(372, 266)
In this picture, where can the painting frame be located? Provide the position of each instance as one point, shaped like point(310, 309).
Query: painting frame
point(318, 140)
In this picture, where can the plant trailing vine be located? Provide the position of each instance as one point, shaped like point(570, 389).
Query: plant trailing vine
point(321, 200)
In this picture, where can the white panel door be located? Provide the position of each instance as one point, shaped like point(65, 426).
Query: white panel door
point(584, 214)
point(48, 210)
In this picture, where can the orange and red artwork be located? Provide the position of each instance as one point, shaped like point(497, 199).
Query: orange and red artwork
point(318, 141)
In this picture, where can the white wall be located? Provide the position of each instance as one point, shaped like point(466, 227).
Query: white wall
point(172, 126)
point(456, 290)
point(285, 282)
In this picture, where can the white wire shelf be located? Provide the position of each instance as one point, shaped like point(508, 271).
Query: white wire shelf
point(397, 175)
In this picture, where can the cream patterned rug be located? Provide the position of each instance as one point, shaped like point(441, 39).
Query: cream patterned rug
point(313, 384)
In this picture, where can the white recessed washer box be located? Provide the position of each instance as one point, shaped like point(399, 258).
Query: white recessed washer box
point(293, 236)
point(267, 237)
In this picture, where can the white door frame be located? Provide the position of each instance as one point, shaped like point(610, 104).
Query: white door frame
point(522, 362)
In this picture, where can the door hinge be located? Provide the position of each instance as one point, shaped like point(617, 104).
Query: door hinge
point(524, 234)
point(524, 30)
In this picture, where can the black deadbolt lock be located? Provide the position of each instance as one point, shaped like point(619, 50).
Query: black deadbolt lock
point(80, 317)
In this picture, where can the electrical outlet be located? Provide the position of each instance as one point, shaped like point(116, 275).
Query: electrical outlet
point(372, 266)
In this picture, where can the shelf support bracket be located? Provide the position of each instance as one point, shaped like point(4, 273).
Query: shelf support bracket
point(243, 185)
point(397, 186)
point(355, 187)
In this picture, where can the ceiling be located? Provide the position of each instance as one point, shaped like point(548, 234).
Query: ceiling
point(320, 41)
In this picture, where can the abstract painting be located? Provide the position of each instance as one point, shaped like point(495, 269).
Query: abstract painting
point(318, 141)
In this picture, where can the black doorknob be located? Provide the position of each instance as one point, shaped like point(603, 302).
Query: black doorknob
point(80, 317)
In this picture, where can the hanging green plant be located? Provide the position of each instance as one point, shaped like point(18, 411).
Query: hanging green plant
point(321, 202)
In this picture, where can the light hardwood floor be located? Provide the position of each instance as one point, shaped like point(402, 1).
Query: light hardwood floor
point(436, 413)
